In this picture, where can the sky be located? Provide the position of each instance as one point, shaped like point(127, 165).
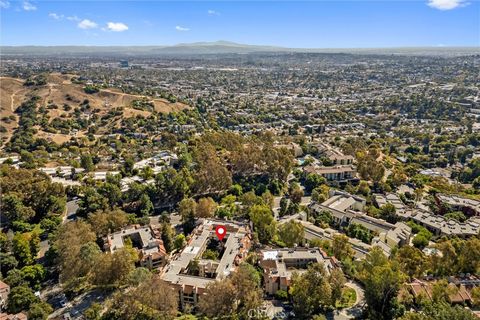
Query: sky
point(294, 24)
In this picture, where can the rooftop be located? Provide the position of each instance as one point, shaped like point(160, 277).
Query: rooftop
point(234, 246)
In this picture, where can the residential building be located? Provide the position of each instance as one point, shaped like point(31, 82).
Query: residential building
point(399, 236)
point(189, 272)
point(341, 205)
point(4, 291)
point(333, 154)
point(339, 173)
point(468, 206)
point(439, 226)
point(314, 232)
point(280, 264)
point(18, 316)
point(145, 240)
point(392, 198)
point(460, 293)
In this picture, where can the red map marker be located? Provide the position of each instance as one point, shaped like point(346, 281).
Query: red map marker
point(221, 232)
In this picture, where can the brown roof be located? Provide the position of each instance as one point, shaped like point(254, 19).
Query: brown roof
point(459, 295)
point(3, 285)
point(18, 316)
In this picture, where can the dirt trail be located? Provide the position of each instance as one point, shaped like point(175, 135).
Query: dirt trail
point(12, 100)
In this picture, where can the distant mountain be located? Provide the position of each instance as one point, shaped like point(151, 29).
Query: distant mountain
point(222, 47)
point(218, 47)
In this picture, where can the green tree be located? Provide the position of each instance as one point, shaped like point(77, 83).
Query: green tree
point(440, 311)
point(187, 209)
point(68, 242)
point(313, 181)
point(363, 188)
point(179, 241)
point(382, 280)
point(94, 312)
point(34, 275)
point(411, 261)
point(321, 193)
point(111, 192)
point(337, 281)
point(422, 238)
point(7, 263)
point(263, 222)
point(147, 173)
point(39, 311)
point(167, 236)
point(153, 299)
point(105, 222)
point(283, 206)
point(86, 162)
point(206, 207)
point(113, 269)
point(14, 210)
point(22, 249)
point(28, 159)
point(291, 233)
point(341, 247)
point(145, 206)
point(20, 298)
point(323, 218)
point(311, 292)
point(388, 213)
point(92, 201)
point(235, 295)
point(295, 193)
point(138, 276)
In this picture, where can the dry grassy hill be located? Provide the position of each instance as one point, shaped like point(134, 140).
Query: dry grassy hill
point(59, 90)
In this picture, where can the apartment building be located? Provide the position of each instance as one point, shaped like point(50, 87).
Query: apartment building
point(189, 272)
point(145, 240)
point(280, 264)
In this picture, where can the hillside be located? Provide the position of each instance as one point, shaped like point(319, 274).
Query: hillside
point(58, 92)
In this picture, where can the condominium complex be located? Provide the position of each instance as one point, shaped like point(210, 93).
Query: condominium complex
point(190, 271)
point(280, 264)
point(145, 240)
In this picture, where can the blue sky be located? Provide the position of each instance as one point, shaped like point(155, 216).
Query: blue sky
point(312, 24)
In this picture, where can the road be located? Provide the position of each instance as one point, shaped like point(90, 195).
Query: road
point(276, 204)
point(175, 219)
point(71, 214)
point(72, 207)
point(82, 302)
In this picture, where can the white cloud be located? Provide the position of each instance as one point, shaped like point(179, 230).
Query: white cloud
point(179, 28)
point(213, 13)
point(27, 6)
point(117, 26)
point(446, 4)
point(73, 18)
point(87, 24)
point(4, 4)
point(56, 16)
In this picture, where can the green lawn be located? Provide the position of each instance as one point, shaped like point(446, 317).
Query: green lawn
point(349, 296)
